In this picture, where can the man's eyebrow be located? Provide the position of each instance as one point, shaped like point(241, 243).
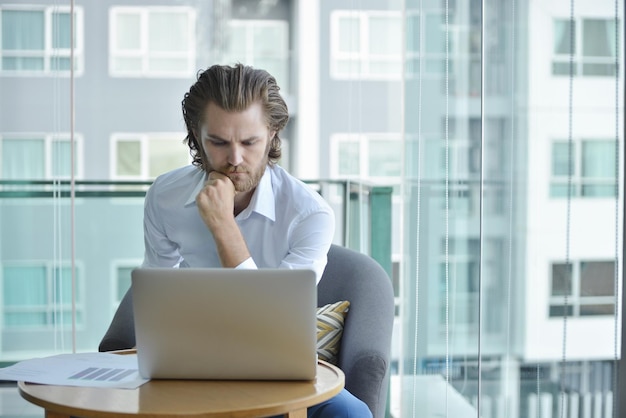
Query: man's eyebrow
point(218, 138)
point(214, 137)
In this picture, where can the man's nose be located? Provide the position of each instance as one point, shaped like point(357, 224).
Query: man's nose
point(235, 156)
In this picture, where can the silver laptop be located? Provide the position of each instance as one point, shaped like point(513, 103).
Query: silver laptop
point(225, 323)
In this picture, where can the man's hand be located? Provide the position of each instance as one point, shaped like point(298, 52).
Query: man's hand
point(216, 204)
point(216, 201)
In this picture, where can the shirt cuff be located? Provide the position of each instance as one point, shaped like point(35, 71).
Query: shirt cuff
point(247, 264)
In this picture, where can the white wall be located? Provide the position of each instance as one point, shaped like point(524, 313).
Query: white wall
point(591, 221)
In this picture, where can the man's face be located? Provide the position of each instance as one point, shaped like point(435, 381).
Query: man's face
point(236, 144)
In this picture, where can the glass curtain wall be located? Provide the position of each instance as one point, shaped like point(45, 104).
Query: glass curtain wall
point(512, 209)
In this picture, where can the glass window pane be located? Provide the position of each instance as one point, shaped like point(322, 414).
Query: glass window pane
point(563, 68)
point(64, 317)
point(165, 155)
point(61, 159)
point(23, 30)
point(60, 63)
point(598, 190)
point(561, 279)
point(598, 38)
point(348, 66)
point(563, 37)
point(349, 39)
point(24, 286)
point(168, 32)
point(127, 64)
point(270, 39)
point(128, 35)
point(128, 158)
point(560, 190)
point(349, 158)
point(63, 286)
point(26, 64)
point(385, 158)
point(561, 310)
point(600, 70)
point(592, 310)
point(24, 319)
point(168, 64)
point(237, 41)
point(598, 160)
point(23, 159)
point(435, 34)
point(380, 67)
point(597, 278)
point(385, 35)
point(61, 32)
point(413, 33)
point(560, 158)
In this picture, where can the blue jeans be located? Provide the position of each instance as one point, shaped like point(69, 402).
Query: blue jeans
point(343, 405)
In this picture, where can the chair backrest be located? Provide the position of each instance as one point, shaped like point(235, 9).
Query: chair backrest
point(365, 350)
point(364, 355)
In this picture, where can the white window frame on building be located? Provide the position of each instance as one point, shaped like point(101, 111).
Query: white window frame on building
point(138, 59)
point(49, 161)
point(254, 49)
point(584, 64)
point(581, 184)
point(48, 53)
point(361, 59)
point(142, 153)
point(363, 143)
point(575, 302)
point(57, 300)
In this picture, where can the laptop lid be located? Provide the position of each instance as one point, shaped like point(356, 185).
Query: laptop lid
point(225, 323)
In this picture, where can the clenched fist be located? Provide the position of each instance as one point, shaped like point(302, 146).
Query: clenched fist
point(216, 200)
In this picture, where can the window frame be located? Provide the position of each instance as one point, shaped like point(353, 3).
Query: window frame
point(50, 308)
point(363, 141)
point(579, 60)
point(364, 57)
point(251, 55)
point(48, 140)
point(143, 53)
point(578, 181)
point(575, 300)
point(49, 52)
point(144, 139)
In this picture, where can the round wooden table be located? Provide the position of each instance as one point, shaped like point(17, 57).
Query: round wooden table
point(189, 398)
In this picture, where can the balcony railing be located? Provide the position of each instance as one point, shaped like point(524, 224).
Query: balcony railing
point(83, 238)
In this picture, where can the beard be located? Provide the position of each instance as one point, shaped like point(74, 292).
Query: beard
point(244, 179)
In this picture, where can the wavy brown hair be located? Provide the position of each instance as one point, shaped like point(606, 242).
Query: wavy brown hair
point(234, 89)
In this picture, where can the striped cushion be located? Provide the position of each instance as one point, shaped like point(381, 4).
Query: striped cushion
point(330, 320)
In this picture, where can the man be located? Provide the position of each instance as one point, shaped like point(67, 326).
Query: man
point(234, 206)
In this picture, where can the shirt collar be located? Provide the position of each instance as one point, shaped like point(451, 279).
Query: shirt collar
point(262, 200)
point(194, 192)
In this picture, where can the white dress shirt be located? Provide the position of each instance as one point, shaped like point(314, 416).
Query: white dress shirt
point(286, 225)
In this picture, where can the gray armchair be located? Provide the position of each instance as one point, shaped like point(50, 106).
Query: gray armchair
point(366, 343)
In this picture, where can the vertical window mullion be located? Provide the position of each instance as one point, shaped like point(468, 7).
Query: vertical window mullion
point(48, 51)
point(364, 56)
point(144, 41)
point(145, 157)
